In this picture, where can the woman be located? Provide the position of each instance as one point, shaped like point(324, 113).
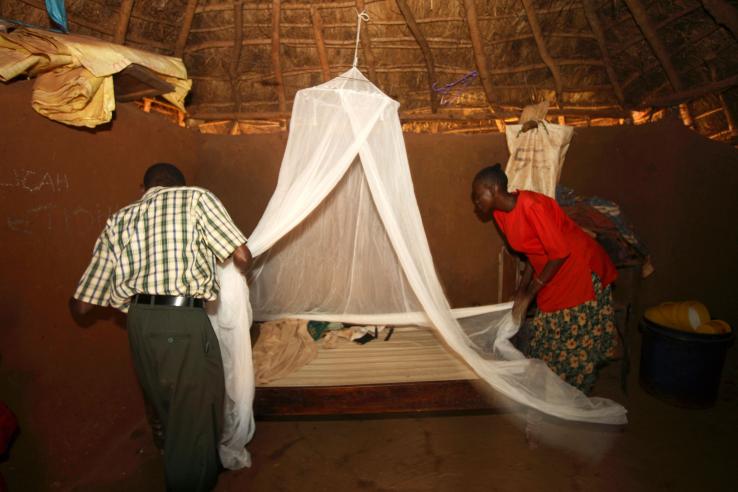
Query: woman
point(568, 273)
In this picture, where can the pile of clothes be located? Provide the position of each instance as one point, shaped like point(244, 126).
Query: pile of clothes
point(284, 346)
point(604, 221)
point(74, 73)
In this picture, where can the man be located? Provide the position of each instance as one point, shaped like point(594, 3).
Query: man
point(156, 260)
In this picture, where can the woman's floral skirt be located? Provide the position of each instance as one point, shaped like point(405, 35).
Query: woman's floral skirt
point(577, 341)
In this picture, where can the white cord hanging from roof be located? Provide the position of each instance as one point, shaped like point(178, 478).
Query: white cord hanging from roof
point(360, 16)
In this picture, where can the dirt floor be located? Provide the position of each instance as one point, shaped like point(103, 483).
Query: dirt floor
point(662, 448)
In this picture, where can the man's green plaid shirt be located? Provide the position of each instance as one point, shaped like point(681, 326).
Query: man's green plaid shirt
point(166, 243)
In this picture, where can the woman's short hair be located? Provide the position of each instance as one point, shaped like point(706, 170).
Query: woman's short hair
point(492, 175)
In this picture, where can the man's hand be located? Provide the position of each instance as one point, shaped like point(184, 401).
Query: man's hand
point(242, 258)
point(79, 308)
point(79, 311)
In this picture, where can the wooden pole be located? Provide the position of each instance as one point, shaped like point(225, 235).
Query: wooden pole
point(366, 46)
point(641, 17)
point(723, 13)
point(535, 27)
point(124, 15)
point(184, 32)
point(478, 48)
point(318, 33)
point(96, 27)
point(723, 104)
point(687, 95)
point(276, 64)
point(690, 42)
point(590, 11)
point(634, 40)
point(427, 54)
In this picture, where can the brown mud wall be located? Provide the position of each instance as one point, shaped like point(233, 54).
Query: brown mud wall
point(677, 188)
point(74, 388)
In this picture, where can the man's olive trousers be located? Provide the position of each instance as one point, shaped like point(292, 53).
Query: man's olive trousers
point(177, 359)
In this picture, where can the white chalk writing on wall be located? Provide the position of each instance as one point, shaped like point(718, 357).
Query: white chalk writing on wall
point(50, 217)
point(37, 180)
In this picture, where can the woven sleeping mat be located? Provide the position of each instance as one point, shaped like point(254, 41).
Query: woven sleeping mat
point(412, 354)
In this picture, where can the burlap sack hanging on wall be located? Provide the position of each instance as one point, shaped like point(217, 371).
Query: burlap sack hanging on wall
point(537, 152)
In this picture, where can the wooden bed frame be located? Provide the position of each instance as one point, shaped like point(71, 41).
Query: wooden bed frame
point(461, 393)
point(402, 398)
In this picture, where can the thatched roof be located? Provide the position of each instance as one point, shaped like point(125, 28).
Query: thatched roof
point(591, 58)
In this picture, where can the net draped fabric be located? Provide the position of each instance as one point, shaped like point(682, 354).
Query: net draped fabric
point(342, 240)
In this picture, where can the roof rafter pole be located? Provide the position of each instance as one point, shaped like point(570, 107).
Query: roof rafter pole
point(709, 112)
point(480, 57)
point(723, 13)
point(723, 104)
point(276, 64)
point(590, 11)
point(124, 15)
point(690, 42)
point(366, 45)
point(184, 32)
point(96, 27)
point(673, 17)
point(535, 27)
point(427, 54)
point(689, 94)
point(649, 32)
point(318, 33)
point(236, 52)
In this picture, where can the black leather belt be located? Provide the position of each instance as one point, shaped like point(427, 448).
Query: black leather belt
point(159, 300)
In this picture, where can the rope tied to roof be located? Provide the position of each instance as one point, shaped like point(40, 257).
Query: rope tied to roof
point(360, 16)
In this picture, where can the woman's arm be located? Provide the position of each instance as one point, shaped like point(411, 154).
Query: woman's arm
point(526, 278)
point(529, 289)
point(548, 272)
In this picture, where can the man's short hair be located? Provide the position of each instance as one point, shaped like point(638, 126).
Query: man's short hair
point(163, 174)
point(492, 175)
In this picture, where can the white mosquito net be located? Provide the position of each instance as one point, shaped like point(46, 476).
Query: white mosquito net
point(342, 240)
